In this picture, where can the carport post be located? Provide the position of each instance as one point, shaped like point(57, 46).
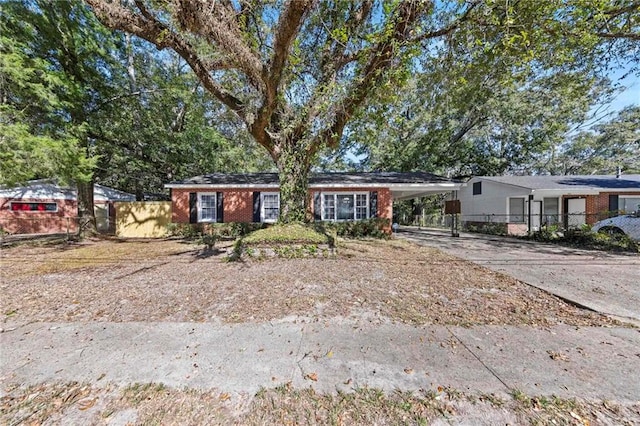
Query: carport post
point(529, 214)
point(453, 207)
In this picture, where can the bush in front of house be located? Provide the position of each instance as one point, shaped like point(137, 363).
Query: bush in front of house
point(197, 230)
point(491, 228)
point(368, 228)
point(584, 238)
point(295, 233)
point(188, 231)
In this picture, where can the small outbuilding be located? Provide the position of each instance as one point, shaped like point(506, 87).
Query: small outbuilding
point(44, 207)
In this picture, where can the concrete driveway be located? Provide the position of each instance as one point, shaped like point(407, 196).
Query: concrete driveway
point(605, 282)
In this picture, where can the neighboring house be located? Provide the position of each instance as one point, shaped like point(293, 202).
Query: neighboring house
point(255, 197)
point(524, 203)
point(43, 207)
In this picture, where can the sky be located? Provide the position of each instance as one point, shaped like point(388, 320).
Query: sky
point(631, 94)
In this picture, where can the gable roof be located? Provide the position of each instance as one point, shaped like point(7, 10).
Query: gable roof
point(342, 179)
point(49, 189)
point(569, 182)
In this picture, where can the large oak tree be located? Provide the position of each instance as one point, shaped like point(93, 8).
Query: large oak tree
point(296, 72)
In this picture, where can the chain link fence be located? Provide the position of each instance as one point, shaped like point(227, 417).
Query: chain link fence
point(558, 223)
point(434, 220)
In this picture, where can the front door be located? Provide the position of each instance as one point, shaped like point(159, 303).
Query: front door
point(576, 212)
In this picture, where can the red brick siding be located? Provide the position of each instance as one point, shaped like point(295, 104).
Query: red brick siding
point(22, 222)
point(238, 205)
point(180, 205)
point(591, 207)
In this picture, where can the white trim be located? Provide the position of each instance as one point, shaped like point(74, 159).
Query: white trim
point(199, 207)
point(335, 208)
point(396, 186)
point(218, 186)
point(262, 214)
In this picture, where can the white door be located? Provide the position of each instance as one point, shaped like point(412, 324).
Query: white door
point(577, 212)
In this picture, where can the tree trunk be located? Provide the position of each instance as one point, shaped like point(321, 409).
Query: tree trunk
point(86, 214)
point(293, 170)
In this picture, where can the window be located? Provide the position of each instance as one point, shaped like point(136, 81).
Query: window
point(628, 204)
point(270, 206)
point(477, 188)
point(551, 210)
point(516, 210)
point(362, 206)
point(345, 206)
point(207, 207)
point(33, 207)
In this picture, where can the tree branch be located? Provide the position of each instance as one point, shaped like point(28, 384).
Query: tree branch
point(628, 36)
point(148, 27)
point(216, 21)
point(449, 28)
point(288, 27)
point(379, 61)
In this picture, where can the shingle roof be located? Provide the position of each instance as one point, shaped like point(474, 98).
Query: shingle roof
point(316, 179)
point(587, 182)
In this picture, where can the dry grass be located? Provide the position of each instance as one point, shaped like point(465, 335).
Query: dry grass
point(151, 404)
point(377, 281)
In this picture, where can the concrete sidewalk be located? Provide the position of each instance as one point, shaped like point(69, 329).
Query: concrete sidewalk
point(608, 283)
point(599, 363)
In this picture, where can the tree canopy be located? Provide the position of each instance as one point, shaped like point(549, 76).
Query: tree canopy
point(297, 72)
point(83, 104)
point(462, 87)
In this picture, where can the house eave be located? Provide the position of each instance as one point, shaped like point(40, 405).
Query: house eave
point(439, 186)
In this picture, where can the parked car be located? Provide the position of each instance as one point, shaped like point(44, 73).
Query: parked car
point(628, 224)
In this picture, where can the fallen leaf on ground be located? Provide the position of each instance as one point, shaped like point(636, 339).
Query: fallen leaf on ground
point(311, 376)
point(557, 356)
point(85, 404)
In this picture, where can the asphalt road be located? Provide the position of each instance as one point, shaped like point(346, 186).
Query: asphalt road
point(604, 282)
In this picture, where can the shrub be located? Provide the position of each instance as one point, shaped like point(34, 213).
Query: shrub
point(185, 230)
point(284, 234)
point(584, 238)
point(197, 230)
point(372, 228)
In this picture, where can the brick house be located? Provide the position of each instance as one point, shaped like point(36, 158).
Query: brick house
point(523, 203)
point(254, 197)
point(43, 207)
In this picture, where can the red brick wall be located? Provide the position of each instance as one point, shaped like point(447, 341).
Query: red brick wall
point(238, 202)
point(238, 205)
point(180, 205)
point(29, 222)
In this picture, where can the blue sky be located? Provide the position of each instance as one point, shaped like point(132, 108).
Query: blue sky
point(631, 94)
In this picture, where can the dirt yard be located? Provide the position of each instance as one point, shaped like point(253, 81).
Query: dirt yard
point(374, 281)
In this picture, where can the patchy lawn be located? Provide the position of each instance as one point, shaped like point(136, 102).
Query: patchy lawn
point(151, 404)
point(376, 281)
